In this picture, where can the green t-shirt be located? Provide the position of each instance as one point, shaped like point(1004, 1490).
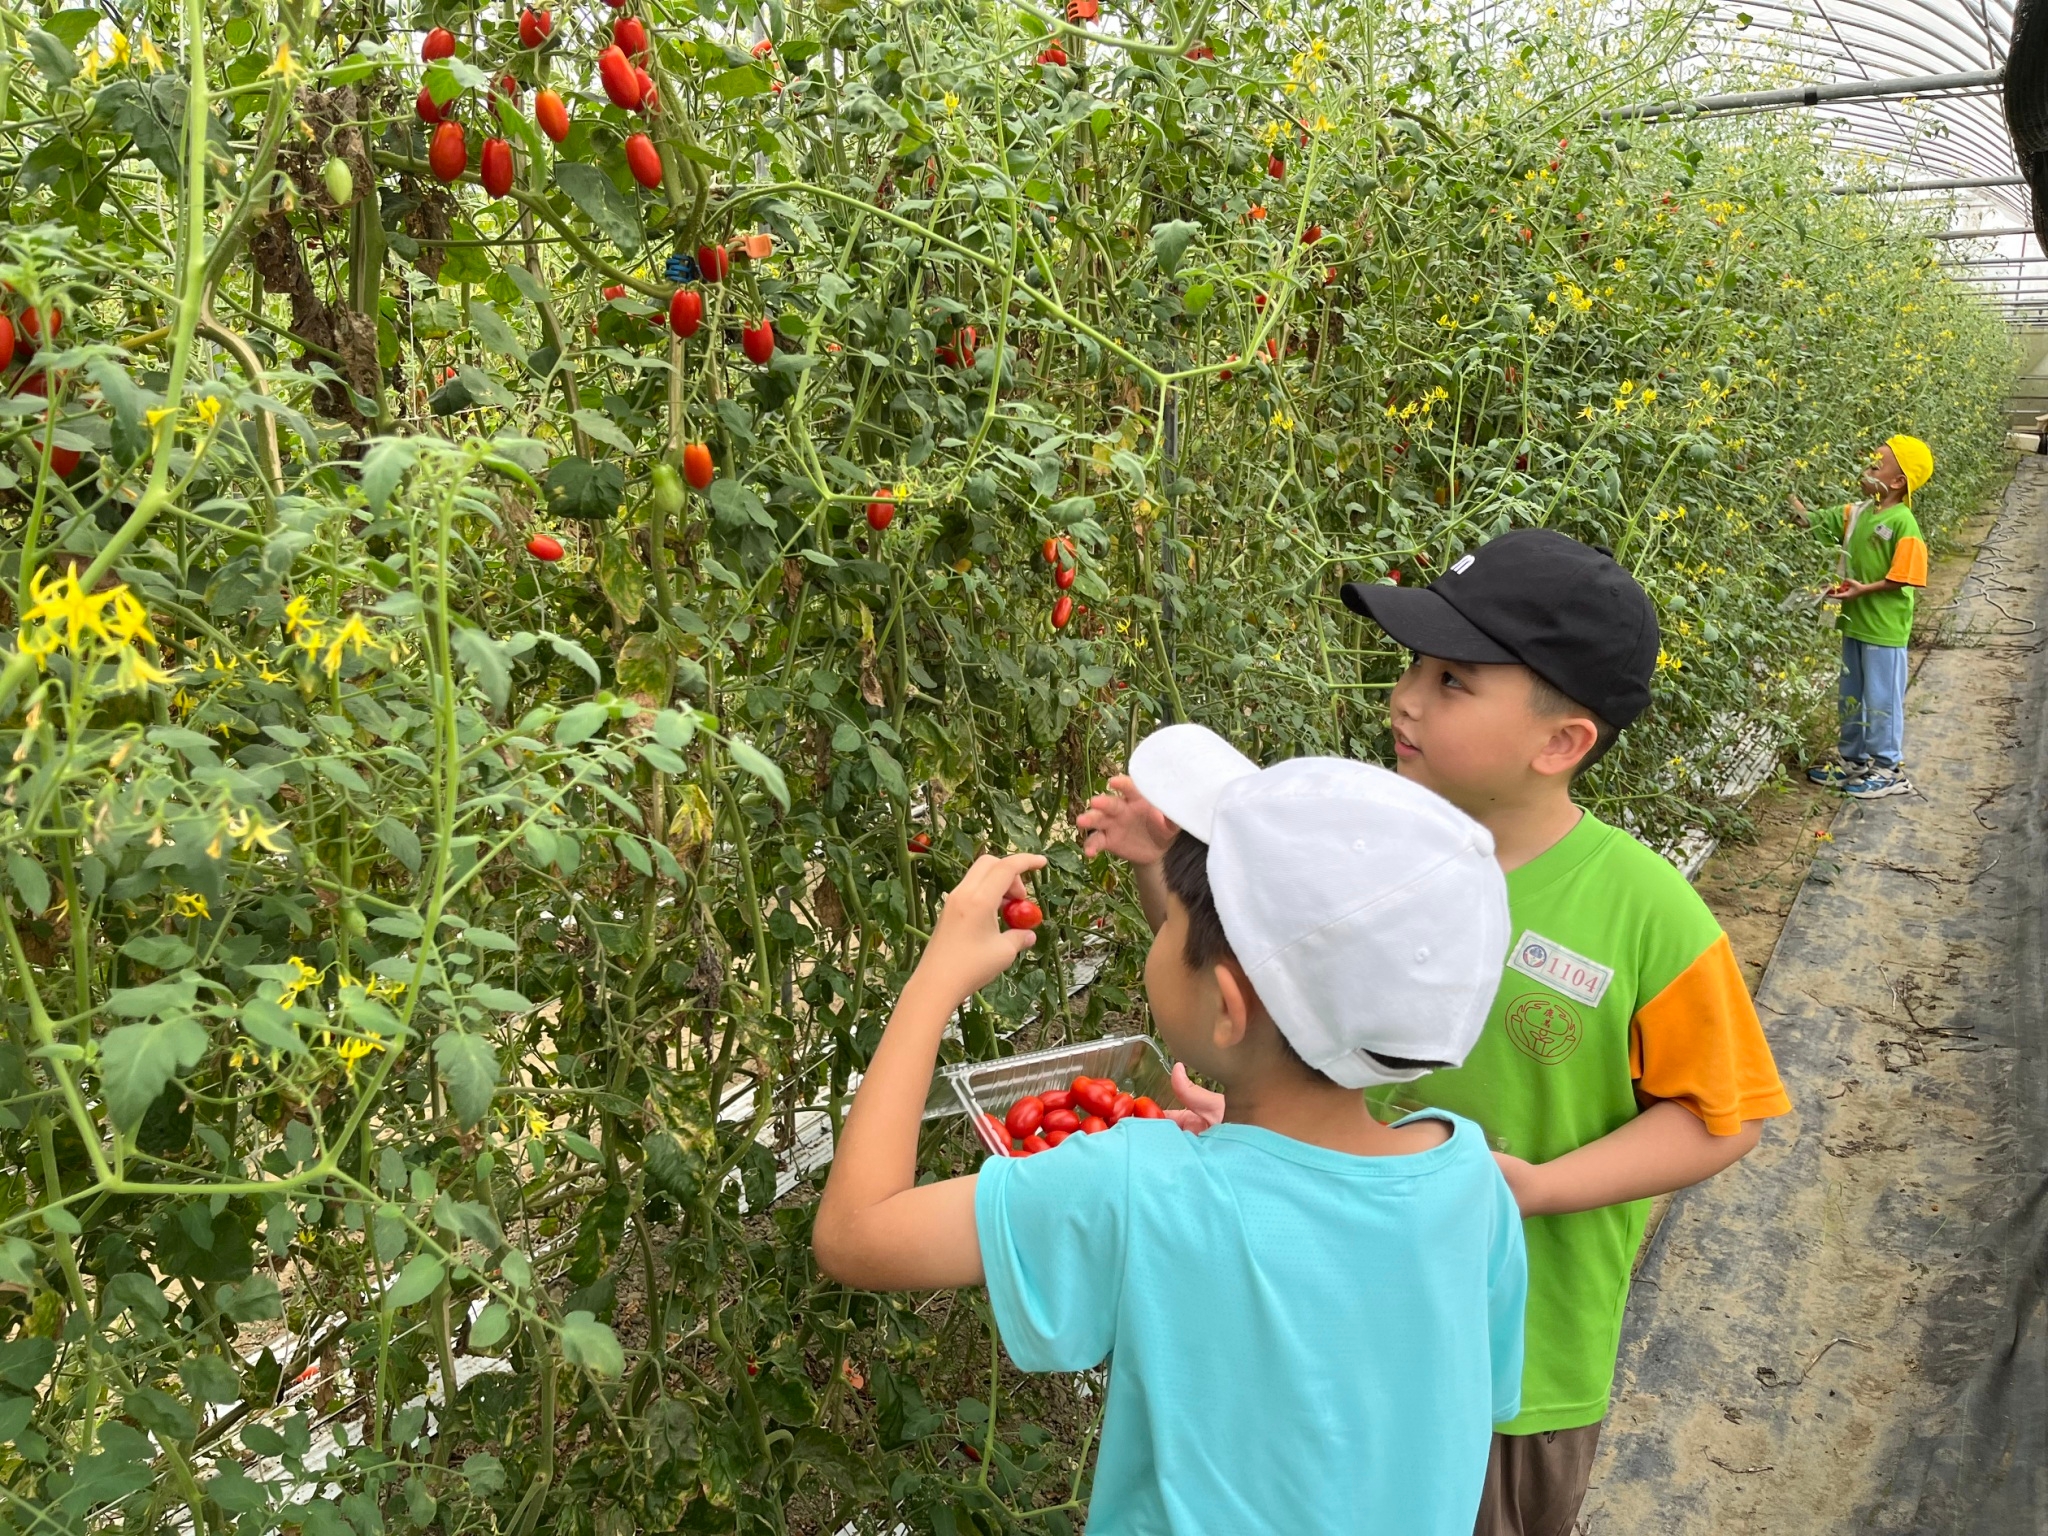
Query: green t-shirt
point(1618, 978)
point(1882, 545)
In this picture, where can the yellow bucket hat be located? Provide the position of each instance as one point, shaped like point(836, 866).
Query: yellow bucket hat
point(1915, 458)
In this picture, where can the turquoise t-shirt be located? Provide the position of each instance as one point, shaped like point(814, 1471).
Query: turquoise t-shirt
point(1301, 1340)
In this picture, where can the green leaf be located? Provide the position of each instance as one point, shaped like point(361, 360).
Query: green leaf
point(569, 650)
point(158, 951)
point(588, 492)
point(1197, 298)
point(133, 1290)
point(169, 995)
point(750, 759)
point(137, 1060)
point(236, 1491)
point(604, 429)
point(486, 658)
point(500, 999)
point(72, 27)
point(400, 841)
point(210, 1379)
point(1170, 243)
point(253, 1300)
point(490, 1327)
point(342, 775)
point(888, 771)
point(129, 403)
point(58, 63)
point(492, 332)
point(271, 1027)
point(622, 575)
point(531, 288)
point(581, 723)
point(740, 82)
point(601, 202)
point(416, 1282)
point(27, 877)
point(484, 1473)
point(384, 466)
point(592, 1345)
point(18, 1262)
point(646, 667)
point(470, 1068)
point(159, 1413)
point(675, 729)
point(25, 1362)
point(737, 504)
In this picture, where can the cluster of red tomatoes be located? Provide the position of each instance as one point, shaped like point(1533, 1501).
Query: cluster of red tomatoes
point(19, 337)
point(1059, 554)
point(1038, 1122)
point(620, 68)
point(958, 352)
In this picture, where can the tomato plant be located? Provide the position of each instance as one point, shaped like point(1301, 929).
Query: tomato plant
point(483, 753)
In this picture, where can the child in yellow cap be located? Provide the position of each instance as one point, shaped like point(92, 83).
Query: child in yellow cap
point(1881, 563)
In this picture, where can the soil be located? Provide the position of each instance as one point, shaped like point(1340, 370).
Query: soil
point(1841, 1334)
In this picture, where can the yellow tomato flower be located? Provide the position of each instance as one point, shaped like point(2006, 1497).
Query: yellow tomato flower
point(351, 633)
point(137, 673)
point(305, 977)
point(289, 69)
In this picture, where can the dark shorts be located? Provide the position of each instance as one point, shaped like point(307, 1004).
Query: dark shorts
point(1535, 1483)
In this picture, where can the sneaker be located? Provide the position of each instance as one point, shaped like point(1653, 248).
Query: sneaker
point(1879, 782)
point(1839, 773)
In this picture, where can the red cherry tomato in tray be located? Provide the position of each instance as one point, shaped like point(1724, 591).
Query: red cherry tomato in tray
point(1025, 1116)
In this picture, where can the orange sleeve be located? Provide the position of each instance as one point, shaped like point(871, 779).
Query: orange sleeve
point(1700, 1042)
point(1909, 563)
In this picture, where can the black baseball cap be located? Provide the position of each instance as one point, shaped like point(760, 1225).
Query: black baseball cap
point(1563, 609)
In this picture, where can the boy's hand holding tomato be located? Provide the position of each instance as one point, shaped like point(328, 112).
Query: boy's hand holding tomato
point(970, 947)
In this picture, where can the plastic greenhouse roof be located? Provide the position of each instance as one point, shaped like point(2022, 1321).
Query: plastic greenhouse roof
point(1902, 142)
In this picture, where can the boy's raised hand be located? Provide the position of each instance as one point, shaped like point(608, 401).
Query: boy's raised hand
point(970, 947)
point(1124, 823)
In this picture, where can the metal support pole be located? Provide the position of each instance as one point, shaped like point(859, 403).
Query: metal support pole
point(1963, 184)
point(1982, 234)
point(1814, 95)
point(1169, 530)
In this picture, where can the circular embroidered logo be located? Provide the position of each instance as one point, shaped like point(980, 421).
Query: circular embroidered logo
point(1543, 1027)
point(1535, 955)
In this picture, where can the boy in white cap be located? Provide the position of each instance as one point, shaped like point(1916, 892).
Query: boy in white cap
point(1622, 1057)
point(1359, 1286)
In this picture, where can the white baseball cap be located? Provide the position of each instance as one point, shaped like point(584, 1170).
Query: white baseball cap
point(1367, 912)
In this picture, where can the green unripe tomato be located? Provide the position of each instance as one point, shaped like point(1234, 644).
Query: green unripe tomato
point(668, 490)
point(352, 920)
point(341, 181)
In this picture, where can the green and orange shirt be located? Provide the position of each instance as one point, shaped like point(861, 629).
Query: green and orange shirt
point(1619, 982)
point(1883, 546)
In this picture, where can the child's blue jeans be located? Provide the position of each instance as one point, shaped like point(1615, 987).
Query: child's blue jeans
point(1873, 702)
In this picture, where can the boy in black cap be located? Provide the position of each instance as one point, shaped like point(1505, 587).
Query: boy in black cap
point(1622, 1058)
